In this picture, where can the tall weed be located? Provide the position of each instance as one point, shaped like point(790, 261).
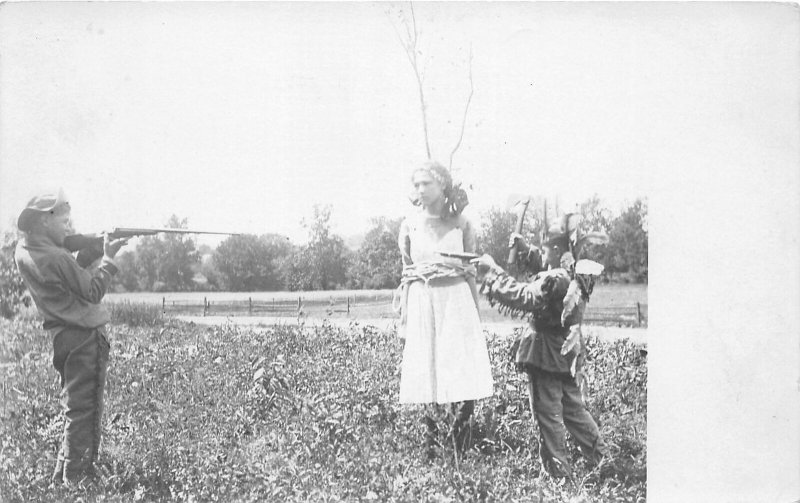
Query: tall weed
point(298, 413)
point(135, 314)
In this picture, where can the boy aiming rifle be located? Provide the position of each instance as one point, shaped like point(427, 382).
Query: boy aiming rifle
point(67, 291)
point(68, 297)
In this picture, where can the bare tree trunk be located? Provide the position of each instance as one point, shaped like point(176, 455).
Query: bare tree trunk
point(410, 46)
point(466, 109)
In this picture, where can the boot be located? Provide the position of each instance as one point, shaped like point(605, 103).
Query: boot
point(431, 442)
point(461, 432)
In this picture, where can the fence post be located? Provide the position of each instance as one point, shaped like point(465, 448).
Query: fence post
point(348, 304)
point(639, 314)
point(250, 306)
point(163, 305)
point(299, 304)
point(205, 305)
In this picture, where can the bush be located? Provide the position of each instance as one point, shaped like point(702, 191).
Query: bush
point(298, 413)
point(13, 294)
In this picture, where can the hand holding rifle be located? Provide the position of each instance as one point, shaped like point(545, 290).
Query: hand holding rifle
point(528, 258)
point(111, 245)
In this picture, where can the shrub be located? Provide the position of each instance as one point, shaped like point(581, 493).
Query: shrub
point(13, 294)
point(298, 413)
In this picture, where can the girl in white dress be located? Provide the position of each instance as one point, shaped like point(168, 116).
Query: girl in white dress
point(445, 359)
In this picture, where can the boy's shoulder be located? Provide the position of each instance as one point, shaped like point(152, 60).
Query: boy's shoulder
point(41, 252)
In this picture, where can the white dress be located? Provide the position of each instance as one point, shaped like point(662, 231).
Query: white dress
point(445, 358)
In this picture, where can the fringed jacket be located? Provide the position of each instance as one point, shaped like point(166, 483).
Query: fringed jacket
point(554, 304)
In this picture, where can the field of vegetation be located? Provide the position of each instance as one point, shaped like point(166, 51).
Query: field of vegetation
point(297, 413)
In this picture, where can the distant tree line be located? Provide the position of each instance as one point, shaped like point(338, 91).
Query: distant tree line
point(624, 257)
point(271, 262)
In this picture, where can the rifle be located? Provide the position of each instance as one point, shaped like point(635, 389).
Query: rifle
point(90, 246)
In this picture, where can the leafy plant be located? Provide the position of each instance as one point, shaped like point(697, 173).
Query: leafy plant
point(13, 294)
point(298, 413)
point(135, 313)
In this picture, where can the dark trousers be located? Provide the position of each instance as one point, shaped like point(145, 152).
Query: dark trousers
point(460, 411)
point(81, 358)
point(558, 407)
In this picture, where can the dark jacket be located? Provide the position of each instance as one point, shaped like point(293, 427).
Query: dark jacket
point(65, 294)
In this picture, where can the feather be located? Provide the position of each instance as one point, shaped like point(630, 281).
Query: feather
point(573, 343)
point(588, 267)
point(572, 221)
point(567, 261)
point(572, 301)
point(587, 285)
point(595, 238)
point(580, 380)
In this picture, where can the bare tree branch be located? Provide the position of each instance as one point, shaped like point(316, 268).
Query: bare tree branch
point(410, 45)
point(466, 109)
point(423, 106)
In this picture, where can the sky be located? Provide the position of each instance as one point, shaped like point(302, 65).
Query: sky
point(243, 116)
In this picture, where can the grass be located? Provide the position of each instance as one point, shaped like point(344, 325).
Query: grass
point(135, 314)
point(370, 304)
point(297, 413)
point(616, 294)
point(605, 294)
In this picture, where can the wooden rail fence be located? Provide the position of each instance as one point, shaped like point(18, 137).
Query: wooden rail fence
point(634, 314)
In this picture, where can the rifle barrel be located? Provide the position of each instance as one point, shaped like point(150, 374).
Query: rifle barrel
point(135, 231)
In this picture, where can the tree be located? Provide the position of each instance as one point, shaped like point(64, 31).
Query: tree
point(250, 263)
point(596, 217)
point(214, 279)
point(127, 278)
point(322, 263)
point(624, 257)
point(410, 41)
point(166, 262)
point(13, 293)
point(627, 246)
point(497, 225)
point(378, 262)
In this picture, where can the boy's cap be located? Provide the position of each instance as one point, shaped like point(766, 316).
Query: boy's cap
point(38, 205)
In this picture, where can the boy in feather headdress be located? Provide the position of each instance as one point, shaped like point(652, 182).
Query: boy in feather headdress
point(551, 352)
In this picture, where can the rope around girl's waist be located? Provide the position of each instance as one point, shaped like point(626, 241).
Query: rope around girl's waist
point(425, 272)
